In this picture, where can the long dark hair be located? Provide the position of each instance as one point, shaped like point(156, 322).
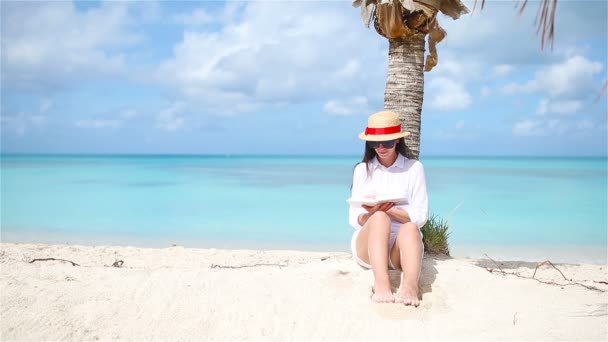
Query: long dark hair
point(370, 153)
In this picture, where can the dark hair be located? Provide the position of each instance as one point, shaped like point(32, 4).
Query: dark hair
point(370, 153)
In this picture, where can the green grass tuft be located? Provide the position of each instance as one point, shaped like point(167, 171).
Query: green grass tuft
point(435, 236)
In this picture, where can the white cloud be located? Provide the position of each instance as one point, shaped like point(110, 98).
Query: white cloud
point(46, 44)
point(195, 18)
point(497, 43)
point(566, 107)
point(485, 91)
point(118, 120)
point(503, 70)
point(585, 125)
point(572, 78)
point(448, 95)
point(37, 119)
point(551, 127)
point(147, 11)
point(22, 121)
point(99, 123)
point(529, 128)
point(355, 105)
point(460, 131)
point(349, 70)
point(169, 120)
point(499, 35)
point(543, 107)
point(510, 89)
point(128, 114)
point(254, 61)
point(45, 105)
point(452, 65)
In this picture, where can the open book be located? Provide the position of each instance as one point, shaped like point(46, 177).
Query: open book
point(357, 202)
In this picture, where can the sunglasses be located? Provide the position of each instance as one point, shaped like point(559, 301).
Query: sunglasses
point(386, 144)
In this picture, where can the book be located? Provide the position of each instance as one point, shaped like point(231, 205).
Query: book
point(357, 202)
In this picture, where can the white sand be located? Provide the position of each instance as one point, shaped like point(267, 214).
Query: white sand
point(176, 294)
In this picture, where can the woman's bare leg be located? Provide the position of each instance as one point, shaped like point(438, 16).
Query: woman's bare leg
point(407, 252)
point(372, 247)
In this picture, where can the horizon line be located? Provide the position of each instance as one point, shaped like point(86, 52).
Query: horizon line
point(227, 155)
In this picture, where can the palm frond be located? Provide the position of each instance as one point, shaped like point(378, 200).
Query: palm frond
point(602, 92)
point(545, 18)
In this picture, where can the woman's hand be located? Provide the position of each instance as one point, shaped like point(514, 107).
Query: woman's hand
point(370, 210)
point(379, 207)
point(399, 215)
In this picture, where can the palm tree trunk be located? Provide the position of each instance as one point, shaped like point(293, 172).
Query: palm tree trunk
point(405, 86)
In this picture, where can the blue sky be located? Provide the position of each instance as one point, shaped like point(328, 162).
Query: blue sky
point(300, 77)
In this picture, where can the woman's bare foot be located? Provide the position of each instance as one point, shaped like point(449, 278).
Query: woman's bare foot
point(408, 295)
point(383, 294)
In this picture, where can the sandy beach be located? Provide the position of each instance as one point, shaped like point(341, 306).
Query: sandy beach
point(178, 293)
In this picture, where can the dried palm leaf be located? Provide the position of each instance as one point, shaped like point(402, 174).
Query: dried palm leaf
point(436, 35)
point(367, 10)
point(451, 8)
point(395, 19)
point(389, 21)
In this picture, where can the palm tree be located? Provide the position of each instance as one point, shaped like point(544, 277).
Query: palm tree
point(406, 24)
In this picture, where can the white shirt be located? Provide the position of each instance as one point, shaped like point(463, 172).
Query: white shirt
point(405, 178)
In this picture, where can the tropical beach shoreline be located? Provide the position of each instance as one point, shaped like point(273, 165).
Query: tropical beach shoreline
point(179, 293)
point(556, 252)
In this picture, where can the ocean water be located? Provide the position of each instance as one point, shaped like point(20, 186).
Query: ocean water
point(514, 208)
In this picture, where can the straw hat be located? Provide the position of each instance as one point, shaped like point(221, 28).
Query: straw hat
point(383, 126)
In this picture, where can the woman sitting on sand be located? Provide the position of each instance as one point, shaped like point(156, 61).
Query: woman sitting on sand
point(388, 234)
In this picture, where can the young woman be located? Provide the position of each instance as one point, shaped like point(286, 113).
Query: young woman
point(388, 235)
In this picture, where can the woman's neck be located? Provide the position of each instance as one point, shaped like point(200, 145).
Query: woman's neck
point(388, 161)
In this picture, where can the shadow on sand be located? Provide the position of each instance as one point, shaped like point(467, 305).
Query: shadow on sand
point(427, 276)
point(506, 265)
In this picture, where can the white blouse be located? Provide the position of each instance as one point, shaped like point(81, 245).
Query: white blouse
point(405, 178)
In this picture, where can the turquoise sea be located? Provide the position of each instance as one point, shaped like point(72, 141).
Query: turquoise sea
point(523, 208)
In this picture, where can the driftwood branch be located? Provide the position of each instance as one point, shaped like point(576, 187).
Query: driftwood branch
point(49, 259)
point(495, 263)
point(550, 263)
point(117, 263)
point(245, 266)
point(571, 281)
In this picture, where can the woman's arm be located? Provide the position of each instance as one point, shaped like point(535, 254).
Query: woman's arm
point(399, 215)
point(418, 208)
point(359, 175)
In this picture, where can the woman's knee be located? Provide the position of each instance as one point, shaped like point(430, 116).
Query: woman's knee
point(409, 232)
point(379, 217)
point(379, 222)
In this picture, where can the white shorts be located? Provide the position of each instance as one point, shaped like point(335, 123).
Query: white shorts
point(353, 249)
point(391, 243)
